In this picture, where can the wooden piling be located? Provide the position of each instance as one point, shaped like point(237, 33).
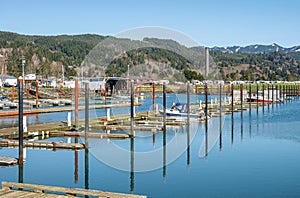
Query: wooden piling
point(263, 94)
point(241, 95)
point(12, 93)
point(250, 93)
point(206, 100)
point(86, 117)
point(20, 119)
point(164, 105)
point(153, 95)
point(36, 94)
point(76, 101)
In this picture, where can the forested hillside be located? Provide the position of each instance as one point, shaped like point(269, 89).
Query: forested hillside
point(45, 55)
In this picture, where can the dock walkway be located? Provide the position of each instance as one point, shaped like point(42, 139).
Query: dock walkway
point(12, 189)
point(47, 145)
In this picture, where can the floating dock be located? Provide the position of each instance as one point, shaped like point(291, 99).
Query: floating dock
point(46, 145)
point(12, 189)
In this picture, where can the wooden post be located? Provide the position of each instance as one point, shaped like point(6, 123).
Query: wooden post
point(250, 97)
point(20, 120)
point(76, 102)
point(276, 89)
point(13, 93)
point(272, 93)
point(28, 88)
point(232, 97)
point(196, 92)
point(241, 95)
point(188, 99)
point(100, 91)
point(206, 100)
point(257, 94)
point(60, 88)
point(220, 97)
point(280, 91)
point(36, 94)
point(164, 104)
point(132, 106)
point(86, 117)
point(105, 93)
point(263, 94)
point(153, 95)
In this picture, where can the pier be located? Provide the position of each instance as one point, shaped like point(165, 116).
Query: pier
point(38, 144)
point(13, 189)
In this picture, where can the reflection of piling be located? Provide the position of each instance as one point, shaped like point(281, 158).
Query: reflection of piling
point(132, 165)
point(20, 173)
point(86, 168)
point(20, 120)
point(86, 128)
point(76, 102)
point(76, 167)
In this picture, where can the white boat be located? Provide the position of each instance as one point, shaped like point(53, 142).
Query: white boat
point(51, 102)
point(180, 110)
point(11, 105)
point(31, 103)
point(65, 102)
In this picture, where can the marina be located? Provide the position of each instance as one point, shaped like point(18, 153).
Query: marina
point(230, 122)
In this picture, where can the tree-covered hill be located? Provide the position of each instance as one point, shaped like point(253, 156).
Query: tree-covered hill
point(45, 55)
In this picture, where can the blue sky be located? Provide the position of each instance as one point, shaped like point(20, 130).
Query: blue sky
point(209, 22)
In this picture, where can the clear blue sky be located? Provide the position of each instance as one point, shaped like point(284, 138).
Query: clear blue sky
point(209, 22)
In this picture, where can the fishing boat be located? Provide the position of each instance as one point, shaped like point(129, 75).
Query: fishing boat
point(259, 98)
point(180, 110)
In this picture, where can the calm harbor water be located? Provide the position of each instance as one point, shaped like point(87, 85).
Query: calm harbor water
point(256, 155)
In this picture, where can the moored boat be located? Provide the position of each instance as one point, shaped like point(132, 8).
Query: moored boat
point(180, 110)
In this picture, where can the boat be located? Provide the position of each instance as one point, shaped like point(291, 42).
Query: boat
point(180, 110)
point(255, 98)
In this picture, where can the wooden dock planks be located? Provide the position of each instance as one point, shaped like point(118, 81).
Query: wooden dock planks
point(47, 145)
point(40, 191)
point(50, 110)
point(89, 135)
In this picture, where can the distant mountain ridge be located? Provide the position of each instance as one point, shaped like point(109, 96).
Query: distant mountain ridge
point(257, 49)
